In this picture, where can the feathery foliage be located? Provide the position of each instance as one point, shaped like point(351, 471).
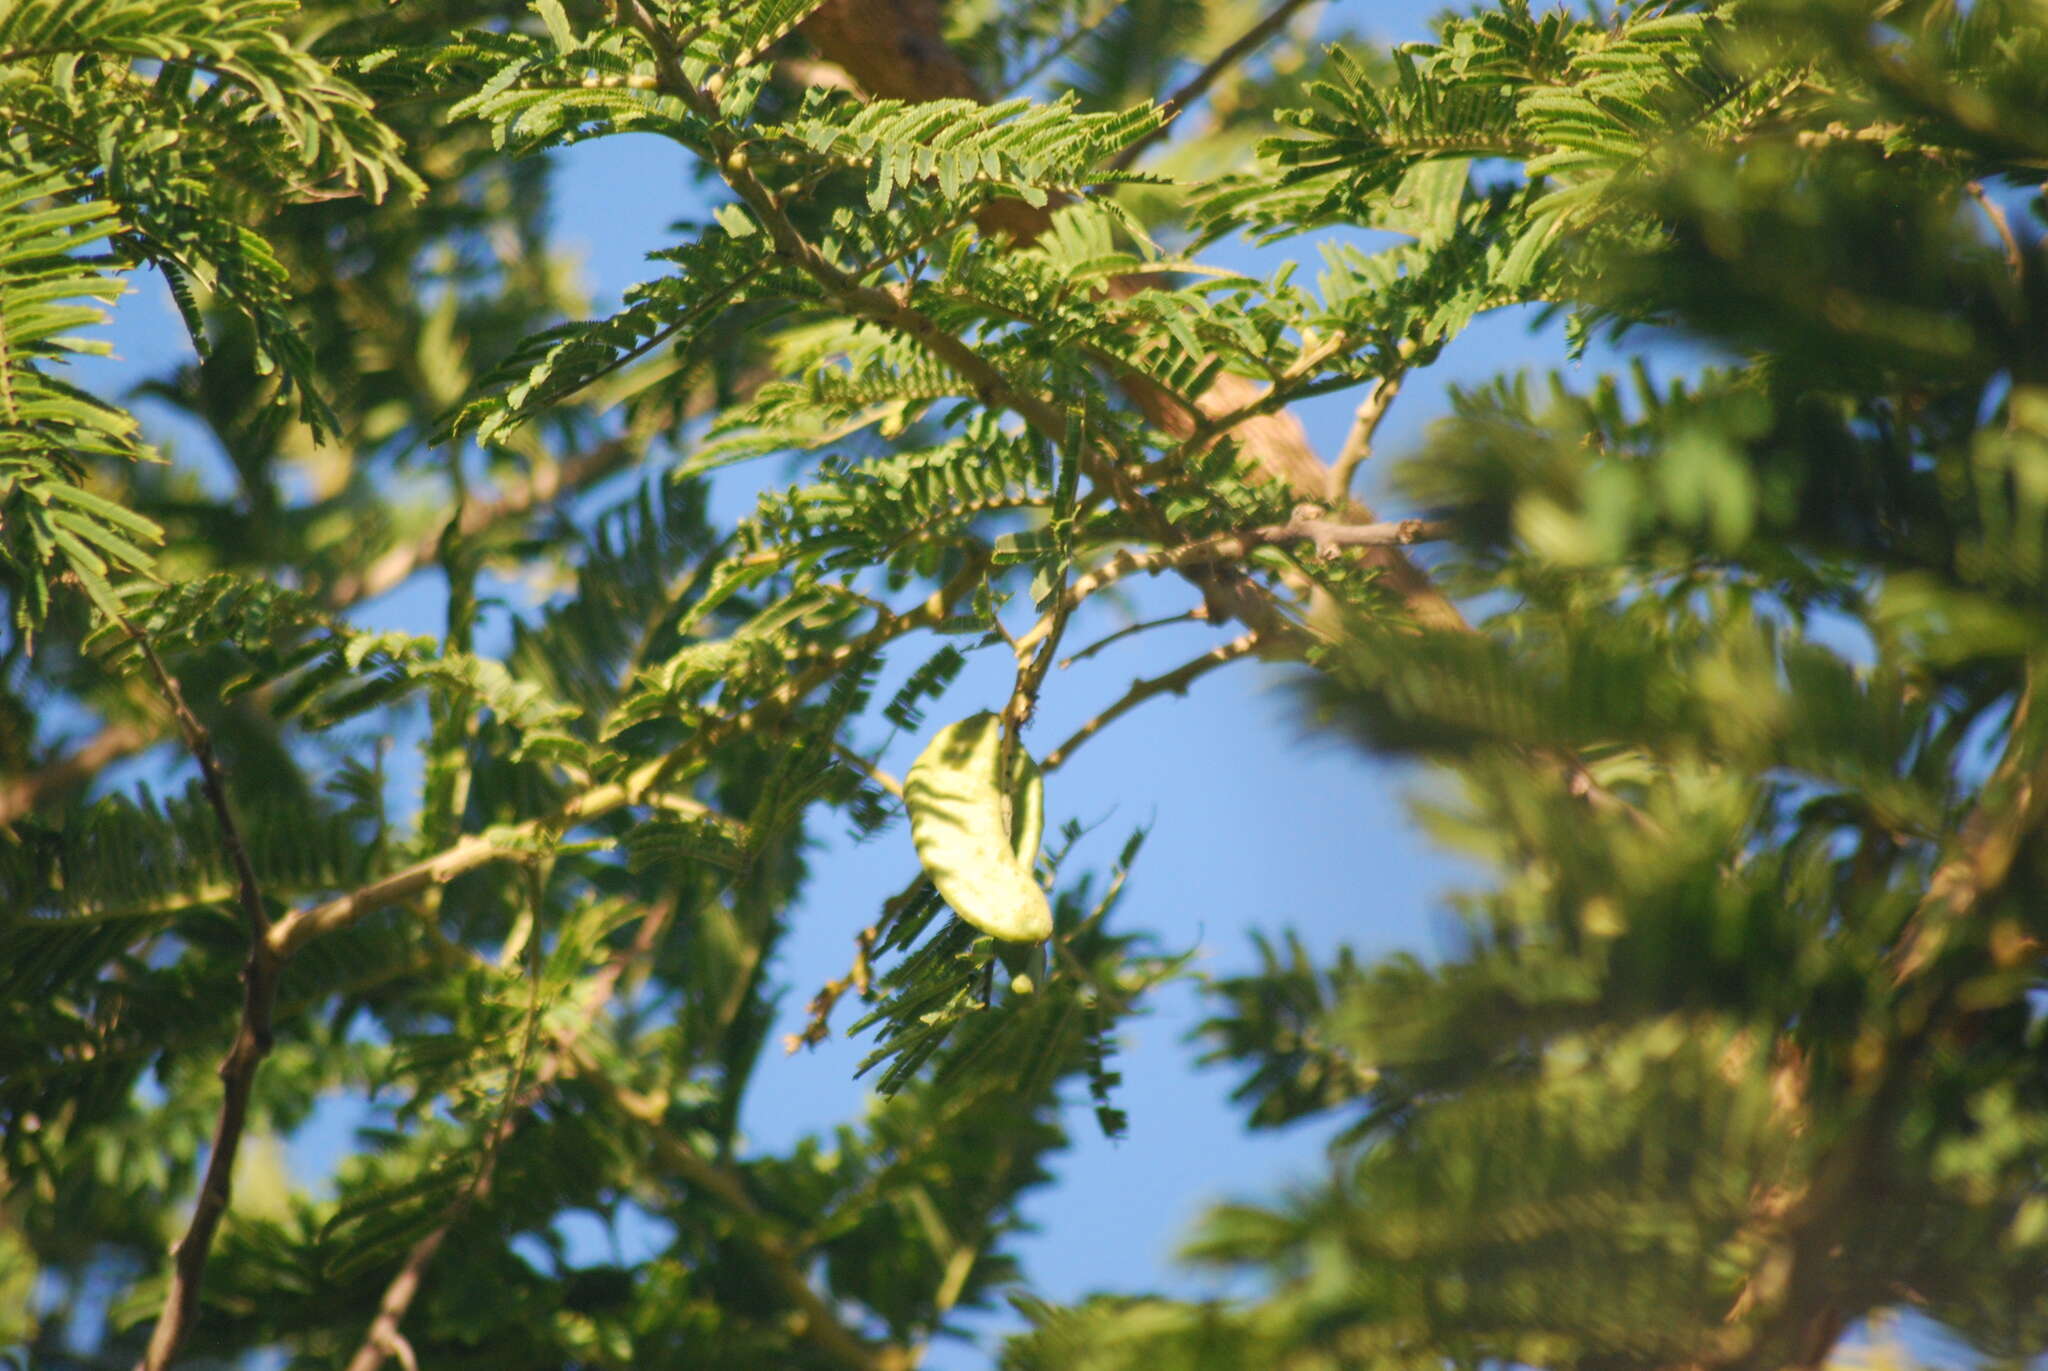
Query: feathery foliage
point(479, 766)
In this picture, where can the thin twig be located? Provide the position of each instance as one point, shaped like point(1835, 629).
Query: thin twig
point(1174, 682)
point(2014, 263)
point(818, 1015)
point(252, 1035)
point(1198, 86)
point(1034, 662)
point(1199, 614)
point(1358, 445)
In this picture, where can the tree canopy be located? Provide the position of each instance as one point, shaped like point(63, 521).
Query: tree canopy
point(1728, 674)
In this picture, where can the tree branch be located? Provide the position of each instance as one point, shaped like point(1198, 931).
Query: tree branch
point(869, 769)
point(1358, 445)
point(818, 1014)
point(1199, 614)
point(2015, 263)
point(1174, 682)
point(252, 1034)
point(1329, 535)
point(897, 48)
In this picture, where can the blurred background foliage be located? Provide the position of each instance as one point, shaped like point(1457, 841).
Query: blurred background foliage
point(1729, 684)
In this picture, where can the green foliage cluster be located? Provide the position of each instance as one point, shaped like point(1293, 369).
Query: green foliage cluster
point(1735, 1055)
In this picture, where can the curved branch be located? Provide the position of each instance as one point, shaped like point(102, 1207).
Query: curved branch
point(1199, 614)
point(1365, 424)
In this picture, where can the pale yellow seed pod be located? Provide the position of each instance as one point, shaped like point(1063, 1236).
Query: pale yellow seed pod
point(977, 838)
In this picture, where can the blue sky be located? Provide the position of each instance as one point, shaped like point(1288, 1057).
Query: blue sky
point(1254, 823)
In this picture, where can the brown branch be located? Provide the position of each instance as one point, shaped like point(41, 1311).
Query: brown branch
point(1177, 103)
point(1365, 425)
point(1199, 614)
point(1033, 665)
point(466, 854)
point(1329, 535)
point(869, 769)
point(252, 1034)
point(508, 843)
point(1174, 682)
point(897, 48)
point(818, 1014)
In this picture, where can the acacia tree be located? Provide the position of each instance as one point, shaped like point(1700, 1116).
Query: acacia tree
point(1738, 1051)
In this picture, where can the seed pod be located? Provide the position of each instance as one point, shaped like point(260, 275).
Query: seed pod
point(977, 838)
